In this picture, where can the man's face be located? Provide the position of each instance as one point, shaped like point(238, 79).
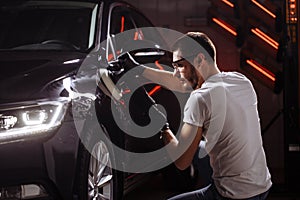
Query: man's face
point(184, 69)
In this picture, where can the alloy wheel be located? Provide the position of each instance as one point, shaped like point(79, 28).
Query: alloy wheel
point(100, 177)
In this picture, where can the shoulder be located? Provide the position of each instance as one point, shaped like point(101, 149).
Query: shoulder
point(195, 96)
point(198, 97)
point(200, 93)
point(235, 79)
point(235, 76)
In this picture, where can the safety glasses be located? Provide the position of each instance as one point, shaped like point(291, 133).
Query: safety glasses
point(180, 62)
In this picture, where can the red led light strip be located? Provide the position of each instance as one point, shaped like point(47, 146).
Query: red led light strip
point(228, 3)
point(261, 69)
point(122, 24)
point(265, 37)
point(158, 65)
point(156, 88)
point(264, 9)
point(136, 36)
point(224, 25)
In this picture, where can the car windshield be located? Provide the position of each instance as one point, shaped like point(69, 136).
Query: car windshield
point(47, 25)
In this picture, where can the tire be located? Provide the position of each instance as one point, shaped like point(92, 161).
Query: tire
point(98, 181)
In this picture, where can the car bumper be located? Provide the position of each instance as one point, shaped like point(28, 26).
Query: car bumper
point(40, 168)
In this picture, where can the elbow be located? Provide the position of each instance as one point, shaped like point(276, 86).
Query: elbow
point(184, 89)
point(182, 166)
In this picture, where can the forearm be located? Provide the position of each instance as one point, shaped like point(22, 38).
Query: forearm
point(171, 142)
point(182, 151)
point(176, 148)
point(166, 79)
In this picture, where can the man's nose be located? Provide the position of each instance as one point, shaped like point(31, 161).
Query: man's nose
point(176, 72)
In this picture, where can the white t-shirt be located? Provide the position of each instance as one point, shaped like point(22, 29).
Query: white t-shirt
point(226, 108)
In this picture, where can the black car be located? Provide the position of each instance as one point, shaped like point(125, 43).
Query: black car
point(50, 56)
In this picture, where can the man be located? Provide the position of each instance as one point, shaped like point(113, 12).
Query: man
point(222, 108)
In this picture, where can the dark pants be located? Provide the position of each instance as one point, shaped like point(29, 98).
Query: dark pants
point(210, 193)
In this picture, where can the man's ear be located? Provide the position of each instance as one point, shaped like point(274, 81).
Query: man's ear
point(200, 57)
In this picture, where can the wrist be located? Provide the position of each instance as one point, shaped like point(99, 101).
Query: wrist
point(164, 134)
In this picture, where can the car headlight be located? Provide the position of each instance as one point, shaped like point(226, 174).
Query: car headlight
point(30, 119)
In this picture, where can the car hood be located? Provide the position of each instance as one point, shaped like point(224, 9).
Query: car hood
point(26, 75)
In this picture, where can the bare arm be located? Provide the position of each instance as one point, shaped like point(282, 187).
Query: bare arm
point(187, 144)
point(167, 79)
point(162, 77)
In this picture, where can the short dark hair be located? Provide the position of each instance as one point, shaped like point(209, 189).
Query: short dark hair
point(189, 47)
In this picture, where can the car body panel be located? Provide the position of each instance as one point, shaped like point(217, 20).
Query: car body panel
point(31, 75)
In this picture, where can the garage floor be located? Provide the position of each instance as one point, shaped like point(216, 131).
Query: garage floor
point(153, 189)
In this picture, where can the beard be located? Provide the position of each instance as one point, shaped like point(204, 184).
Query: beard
point(193, 79)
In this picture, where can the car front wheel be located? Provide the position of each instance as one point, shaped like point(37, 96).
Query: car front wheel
point(97, 179)
point(100, 175)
